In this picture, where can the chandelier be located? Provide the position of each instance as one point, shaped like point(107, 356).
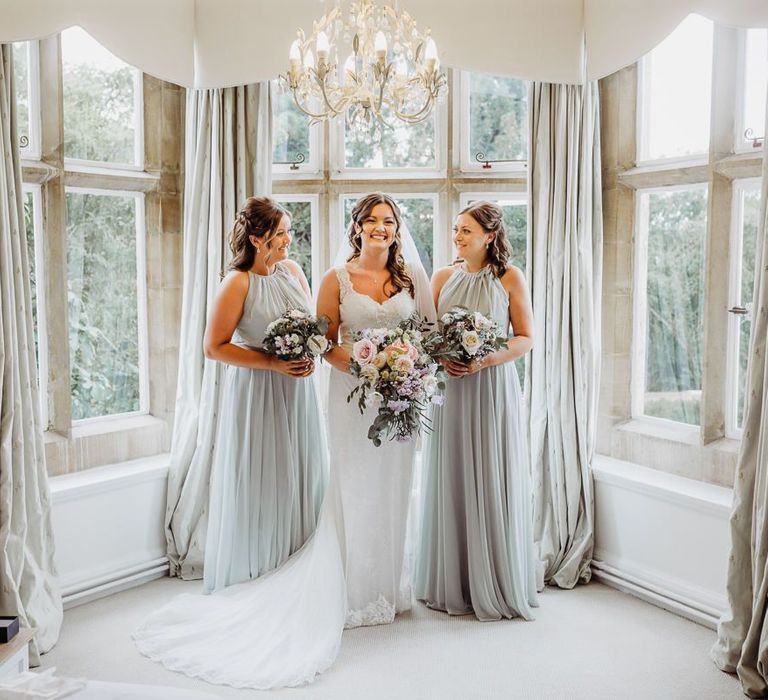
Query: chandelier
point(391, 70)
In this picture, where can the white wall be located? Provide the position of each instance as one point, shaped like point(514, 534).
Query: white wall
point(108, 523)
point(662, 537)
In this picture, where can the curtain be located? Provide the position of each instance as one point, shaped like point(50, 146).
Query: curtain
point(742, 635)
point(228, 158)
point(565, 274)
point(28, 583)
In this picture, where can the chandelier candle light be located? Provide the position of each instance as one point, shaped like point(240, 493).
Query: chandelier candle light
point(391, 72)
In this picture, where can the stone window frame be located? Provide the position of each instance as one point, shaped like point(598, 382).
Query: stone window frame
point(108, 440)
point(699, 452)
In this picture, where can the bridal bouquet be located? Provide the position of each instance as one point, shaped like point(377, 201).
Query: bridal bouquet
point(463, 335)
point(397, 377)
point(296, 335)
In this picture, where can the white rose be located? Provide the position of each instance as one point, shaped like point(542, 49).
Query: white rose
point(317, 344)
point(374, 400)
point(447, 318)
point(430, 385)
point(481, 322)
point(369, 374)
point(380, 360)
point(404, 364)
point(296, 339)
point(470, 341)
point(271, 327)
point(297, 313)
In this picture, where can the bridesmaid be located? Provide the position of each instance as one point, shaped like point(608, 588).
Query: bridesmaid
point(270, 462)
point(476, 550)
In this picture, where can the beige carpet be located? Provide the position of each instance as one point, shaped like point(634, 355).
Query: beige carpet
point(591, 643)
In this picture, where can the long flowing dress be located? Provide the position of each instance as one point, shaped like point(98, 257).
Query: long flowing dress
point(375, 482)
point(476, 546)
point(269, 468)
point(284, 627)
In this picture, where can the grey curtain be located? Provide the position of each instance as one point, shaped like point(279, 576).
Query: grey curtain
point(742, 635)
point(565, 273)
point(28, 583)
point(228, 158)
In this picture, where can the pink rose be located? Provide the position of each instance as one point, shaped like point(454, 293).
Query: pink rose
point(403, 348)
point(363, 351)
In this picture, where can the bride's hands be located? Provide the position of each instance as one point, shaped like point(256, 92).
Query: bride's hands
point(292, 368)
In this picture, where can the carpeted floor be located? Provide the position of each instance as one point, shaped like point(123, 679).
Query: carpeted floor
point(593, 643)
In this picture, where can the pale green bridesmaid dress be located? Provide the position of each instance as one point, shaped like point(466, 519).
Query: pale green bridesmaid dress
point(476, 550)
point(270, 462)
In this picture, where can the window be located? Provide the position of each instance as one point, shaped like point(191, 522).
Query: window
point(26, 80)
point(494, 122)
point(515, 211)
point(755, 79)
point(34, 232)
point(418, 214)
point(675, 92)
point(398, 146)
point(304, 246)
point(105, 284)
point(746, 202)
point(670, 298)
point(94, 290)
point(296, 144)
point(102, 103)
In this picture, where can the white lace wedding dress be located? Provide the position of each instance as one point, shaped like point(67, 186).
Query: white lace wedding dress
point(375, 482)
point(284, 628)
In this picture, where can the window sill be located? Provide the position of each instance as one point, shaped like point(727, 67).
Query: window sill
point(663, 430)
point(108, 441)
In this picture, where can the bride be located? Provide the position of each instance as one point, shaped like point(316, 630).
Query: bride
point(371, 287)
point(284, 628)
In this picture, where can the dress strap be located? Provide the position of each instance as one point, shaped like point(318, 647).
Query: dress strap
point(345, 284)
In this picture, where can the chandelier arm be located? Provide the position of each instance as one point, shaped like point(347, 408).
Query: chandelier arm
point(337, 109)
point(309, 113)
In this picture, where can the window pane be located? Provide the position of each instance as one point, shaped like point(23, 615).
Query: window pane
point(21, 80)
point(419, 214)
point(29, 225)
point(750, 218)
point(498, 117)
point(515, 213)
point(400, 146)
point(677, 78)
point(99, 101)
point(755, 80)
point(103, 304)
point(301, 246)
point(675, 300)
point(291, 128)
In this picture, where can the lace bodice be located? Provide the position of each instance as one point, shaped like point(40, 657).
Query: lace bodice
point(359, 311)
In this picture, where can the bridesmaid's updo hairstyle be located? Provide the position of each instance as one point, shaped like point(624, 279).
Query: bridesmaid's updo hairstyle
point(491, 219)
point(395, 261)
point(259, 217)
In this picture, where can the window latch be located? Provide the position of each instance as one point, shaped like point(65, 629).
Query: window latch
point(741, 310)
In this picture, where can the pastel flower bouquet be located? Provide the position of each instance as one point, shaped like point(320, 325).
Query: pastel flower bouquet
point(463, 335)
point(296, 336)
point(397, 377)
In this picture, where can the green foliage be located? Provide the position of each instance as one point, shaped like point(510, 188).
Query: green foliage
point(301, 246)
point(498, 109)
point(675, 289)
point(401, 146)
point(103, 304)
point(418, 214)
point(291, 128)
point(99, 113)
point(21, 85)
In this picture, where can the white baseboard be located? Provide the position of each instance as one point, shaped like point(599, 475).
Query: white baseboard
point(662, 537)
point(108, 524)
